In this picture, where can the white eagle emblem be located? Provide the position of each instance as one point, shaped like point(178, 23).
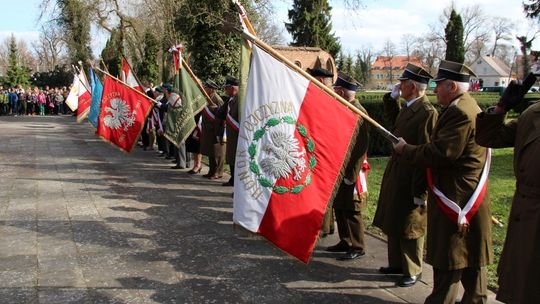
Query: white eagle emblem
point(285, 156)
point(120, 115)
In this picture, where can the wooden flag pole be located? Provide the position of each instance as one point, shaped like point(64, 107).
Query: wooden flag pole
point(127, 85)
point(387, 134)
point(190, 72)
point(78, 72)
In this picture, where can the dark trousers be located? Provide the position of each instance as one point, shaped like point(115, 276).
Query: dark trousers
point(351, 228)
point(162, 143)
point(446, 284)
point(231, 180)
point(144, 136)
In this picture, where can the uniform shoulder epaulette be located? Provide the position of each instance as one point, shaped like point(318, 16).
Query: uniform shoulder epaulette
point(428, 106)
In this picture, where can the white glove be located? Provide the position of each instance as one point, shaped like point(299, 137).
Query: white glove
point(395, 91)
point(159, 104)
point(348, 182)
point(419, 202)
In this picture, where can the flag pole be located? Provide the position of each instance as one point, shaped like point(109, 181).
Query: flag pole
point(127, 85)
point(384, 132)
point(78, 71)
point(132, 72)
point(190, 72)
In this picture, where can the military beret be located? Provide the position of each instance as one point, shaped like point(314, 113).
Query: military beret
point(211, 84)
point(454, 71)
point(231, 81)
point(416, 73)
point(320, 72)
point(167, 86)
point(346, 82)
point(158, 89)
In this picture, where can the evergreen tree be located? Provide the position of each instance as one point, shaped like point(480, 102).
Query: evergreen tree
point(455, 50)
point(348, 65)
point(311, 26)
point(15, 73)
point(148, 69)
point(74, 19)
point(212, 52)
point(112, 53)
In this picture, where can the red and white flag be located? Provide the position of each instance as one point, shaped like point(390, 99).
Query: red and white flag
point(292, 143)
point(128, 77)
point(122, 114)
point(176, 52)
point(85, 97)
point(79, 98)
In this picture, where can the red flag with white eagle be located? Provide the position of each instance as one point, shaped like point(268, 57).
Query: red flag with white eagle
point(122, 114)
point(128, 77)
point(293, 141)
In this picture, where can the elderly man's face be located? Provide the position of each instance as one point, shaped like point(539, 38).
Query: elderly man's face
point(407, 88)
point(231, 90)
point(445, 91)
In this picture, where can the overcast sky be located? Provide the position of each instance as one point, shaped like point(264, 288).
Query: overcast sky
point(371, 26)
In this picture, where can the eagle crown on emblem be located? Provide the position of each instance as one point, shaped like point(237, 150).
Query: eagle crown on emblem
point(120, 115)
point(286, 156)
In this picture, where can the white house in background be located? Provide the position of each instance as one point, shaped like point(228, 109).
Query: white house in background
point(492, 71)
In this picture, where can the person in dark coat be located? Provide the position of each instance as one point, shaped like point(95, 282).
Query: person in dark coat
point(348, 206)
point(229, 113)
point(211, 141)
point(401, 210)
point(519, 266)
point(459, 243)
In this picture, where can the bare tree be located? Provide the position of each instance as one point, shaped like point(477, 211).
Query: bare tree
point(502, 30)
point(430, 50)
point(389, 51)
point(25, 58)
point(475, 28)
point(408, 42)
point(49, 48)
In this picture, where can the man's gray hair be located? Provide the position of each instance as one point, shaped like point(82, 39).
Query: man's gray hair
point(462, 86)
point(349, 94)
point(422, 87)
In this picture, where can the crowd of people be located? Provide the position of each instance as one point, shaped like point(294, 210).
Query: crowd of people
point(210, 137)
point(18, 100)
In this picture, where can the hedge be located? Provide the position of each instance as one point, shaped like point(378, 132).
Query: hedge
point(372, 102)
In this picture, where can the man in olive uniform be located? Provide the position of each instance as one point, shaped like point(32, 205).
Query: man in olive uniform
point(519, 266)
point(229, 113)
point(326, 77)
point(401, 210)
point(211, 143)
point(348, 206)
point(459, 215)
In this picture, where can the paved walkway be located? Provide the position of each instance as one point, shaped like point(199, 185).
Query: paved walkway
point(81, 222)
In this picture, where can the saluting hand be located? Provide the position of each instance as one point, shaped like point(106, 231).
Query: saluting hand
point(395, 91)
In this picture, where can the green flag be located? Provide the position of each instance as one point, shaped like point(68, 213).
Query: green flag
point(180, 120)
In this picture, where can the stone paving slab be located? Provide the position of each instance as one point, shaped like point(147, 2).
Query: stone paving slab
point(81, 222)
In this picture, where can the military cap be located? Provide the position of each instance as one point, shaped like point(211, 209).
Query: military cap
point(167, 86)
point(320, 72)
point(416, 73)
point(346, 82)
point(211, 84)
point(158, 89)
point(231, 81)
point(454, 71)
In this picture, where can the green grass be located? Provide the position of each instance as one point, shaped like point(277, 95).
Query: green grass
point(501, 190)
